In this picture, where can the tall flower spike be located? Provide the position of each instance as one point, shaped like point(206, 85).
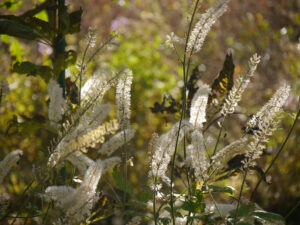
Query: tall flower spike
point(80, 161)
point(79, 203)
point(7, 163)
point(241, 83)
point(196, 151)
point(57, 193)
point(57, 104)
point(123, 99)
point(82, 143)
point(91, 120)
point(116, 141)
point(204, 24)
point(94, 88)
point(198, 106)
point(266, 120)
point(163, 149)
point(228, 152)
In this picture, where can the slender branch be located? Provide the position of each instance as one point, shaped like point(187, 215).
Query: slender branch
point(240, 195)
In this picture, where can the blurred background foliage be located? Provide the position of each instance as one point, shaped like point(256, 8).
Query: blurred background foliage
point(270, 28)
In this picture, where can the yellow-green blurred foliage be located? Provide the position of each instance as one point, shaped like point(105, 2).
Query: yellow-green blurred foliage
point(270, 28)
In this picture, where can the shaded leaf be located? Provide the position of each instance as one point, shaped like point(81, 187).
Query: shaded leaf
point(268, 216)
point(243, 223)
point(145, 195)
point(75, 20)
point(29, 68)
point(41, 26)
point(121, 182)
point(16, 29)
point(226, 189)
point(243, 210)
point(168, 105)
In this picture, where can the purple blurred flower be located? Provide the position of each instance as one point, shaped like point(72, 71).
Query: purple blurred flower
point(118, 23)
point(44, 49)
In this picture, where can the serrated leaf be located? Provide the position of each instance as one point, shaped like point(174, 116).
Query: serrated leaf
point(243, 210)
point(268, 216)
point(16, 29)
point(121, 183)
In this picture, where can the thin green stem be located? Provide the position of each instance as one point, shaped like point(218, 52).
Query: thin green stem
point(292, 210)
point(183, 112)
point(279, 151)
point(240, 195)
point(219, 136)
point(154, 203)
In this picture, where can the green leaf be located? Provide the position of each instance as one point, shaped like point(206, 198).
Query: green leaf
point(5, 38)
point(16, 29)
point(197, 207)
point(213, 188)
point(10, 4)
point(16, 50)
point(75, 20)
point(121, 182)
point(42, 16)
point(41, 26)
point(29, 68)
point(145, 195)
point(165, 221)
point(243, 223)
point(65, 60)
point(268, 216)
point(243, 210)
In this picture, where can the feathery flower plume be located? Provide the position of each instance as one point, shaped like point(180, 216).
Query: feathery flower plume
point(91, 37)
point(83, 142)
point(57, 105)
point(7, 163)
point(79, 203)
point(198, 106)
point(196, 151)
point(266, 120)
point(228, 152)
point(93, 118)
point(80, 161)
point(116, 141)
point(57, 193)
point(135, 221)
point(110, 163)
point(123, 99)
point(163, 149)
point(94, 88)
point(241, 83)
point(204, 24)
